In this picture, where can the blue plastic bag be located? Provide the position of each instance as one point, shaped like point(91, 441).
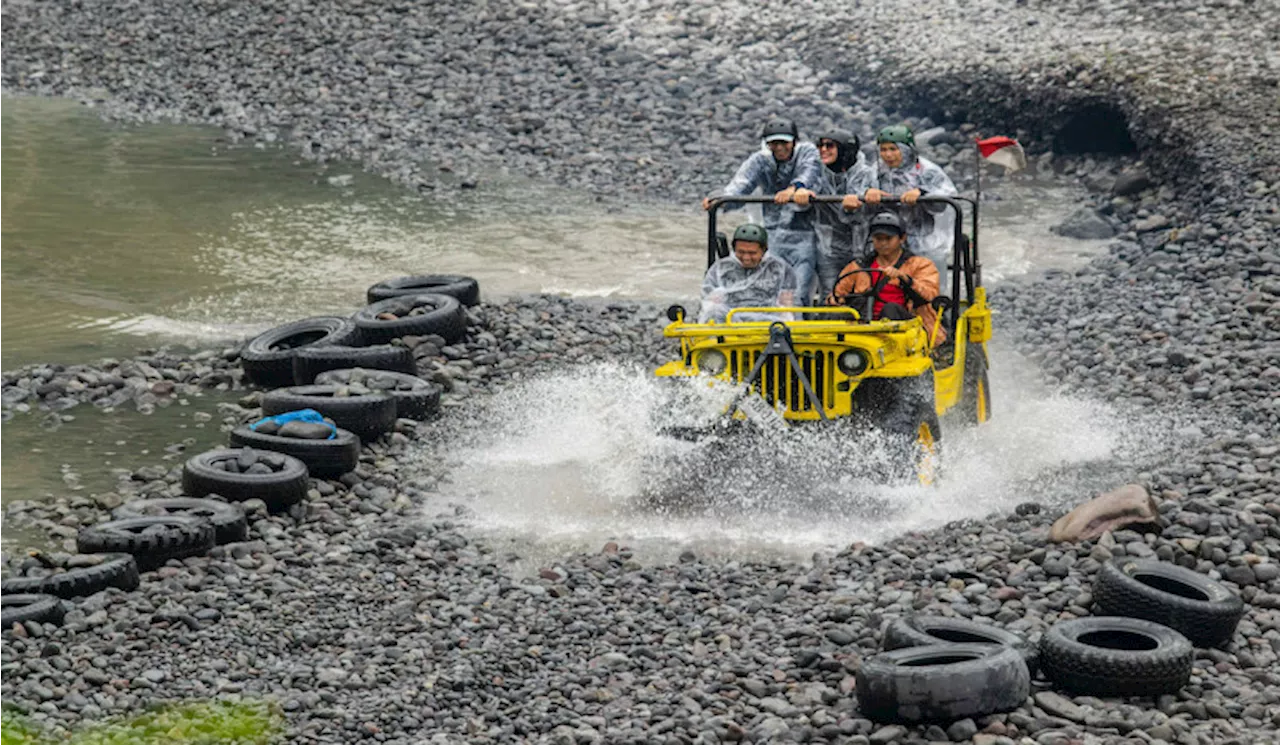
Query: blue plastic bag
point(301, 415)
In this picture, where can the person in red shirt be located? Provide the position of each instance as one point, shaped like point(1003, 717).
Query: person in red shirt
point(902, 283)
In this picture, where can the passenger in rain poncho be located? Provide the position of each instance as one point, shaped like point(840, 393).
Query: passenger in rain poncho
point(786, 165)
point(752, 276)
point(902, 173)
point(841, 228)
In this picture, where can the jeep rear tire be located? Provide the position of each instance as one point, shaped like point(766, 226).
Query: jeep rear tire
point(975, 393)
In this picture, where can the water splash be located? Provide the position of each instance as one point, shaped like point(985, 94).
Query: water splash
point(569, 461)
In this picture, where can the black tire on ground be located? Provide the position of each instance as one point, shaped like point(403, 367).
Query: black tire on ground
point(201, 476)
point(268, 358)
point(1115, 656)
point(151, 540)
point(465, 289)
point(975, 394)
point(444, 317)
point(921, 631)
point(327, 459)
point(115, 570)
point(914, 438)
point(311, 361)
point(229, 521)
point(24, 607)
point(367, 417)
point(422, 402)
point(1197, 607)
point(942, 682)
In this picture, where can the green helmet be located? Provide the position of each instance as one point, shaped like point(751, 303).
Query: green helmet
point(899, 133)
point(752, 233)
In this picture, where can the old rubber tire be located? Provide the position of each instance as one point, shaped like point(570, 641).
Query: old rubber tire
point(151, 540)
point(942, 682)
point(114, 570)
point(465, 289)
point(1116, 656)
point(1197, 607)
point(444, 317)
point(310, 362)
point(921, 631)
point(201, 477)
point(367, 417)
point(913, 438)
point(421, 402)
point(975, 394)
point(24, 607)
point(229, 521)
point(327, 459)
point(268, 357)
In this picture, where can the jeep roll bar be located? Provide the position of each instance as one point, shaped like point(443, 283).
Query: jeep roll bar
point(964, 253)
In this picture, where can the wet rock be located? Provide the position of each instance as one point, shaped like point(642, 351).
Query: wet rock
point(1112, 510)
point(1084, 224)
point(1155, 222)
point(1131, 182)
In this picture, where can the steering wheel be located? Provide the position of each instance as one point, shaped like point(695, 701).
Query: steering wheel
point(868, 299)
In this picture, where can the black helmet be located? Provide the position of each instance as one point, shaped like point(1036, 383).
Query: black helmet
point(847, 144)
point(752, 234)
point(780, 129)
point(887, 223)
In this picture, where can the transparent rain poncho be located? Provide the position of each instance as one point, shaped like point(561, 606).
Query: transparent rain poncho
point(728, 285)
point(790, 226)
point(842, 235)
point(930, 227)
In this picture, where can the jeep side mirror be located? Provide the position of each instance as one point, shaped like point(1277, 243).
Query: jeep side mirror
point(722, 245)
point(675, 313)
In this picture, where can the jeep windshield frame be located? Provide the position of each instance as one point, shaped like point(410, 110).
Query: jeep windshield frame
point(966, 272)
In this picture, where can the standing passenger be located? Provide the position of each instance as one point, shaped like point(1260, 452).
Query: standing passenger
point(902, 173)
point(842, 228)
point(784, 166)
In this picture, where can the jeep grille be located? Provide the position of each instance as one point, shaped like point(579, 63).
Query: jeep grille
point(778, 383)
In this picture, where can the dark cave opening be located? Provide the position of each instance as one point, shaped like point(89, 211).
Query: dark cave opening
point(1096, 128)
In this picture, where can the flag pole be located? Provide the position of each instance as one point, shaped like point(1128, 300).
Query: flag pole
point(977, 206)
point(977, 170)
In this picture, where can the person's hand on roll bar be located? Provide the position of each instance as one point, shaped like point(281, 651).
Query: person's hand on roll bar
point(873, 196)
point(802, 197)
point(910, 197)
point(850, 202)
point(785, 195)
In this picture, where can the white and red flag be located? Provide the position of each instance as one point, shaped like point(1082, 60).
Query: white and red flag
point(1003, 151)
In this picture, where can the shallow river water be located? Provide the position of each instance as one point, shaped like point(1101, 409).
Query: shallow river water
point(116, 238)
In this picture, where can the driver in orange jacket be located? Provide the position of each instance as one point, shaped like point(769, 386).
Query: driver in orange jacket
point(903, 283)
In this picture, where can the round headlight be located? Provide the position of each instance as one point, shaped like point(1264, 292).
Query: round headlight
point(852, 362)
point(712, 362)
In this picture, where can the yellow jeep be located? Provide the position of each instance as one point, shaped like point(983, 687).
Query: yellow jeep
point(837, 365)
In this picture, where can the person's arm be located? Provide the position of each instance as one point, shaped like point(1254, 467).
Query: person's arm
point(713, 296)
point(935, 182)
point(920, 280)
point(750, 176)
point(856, 182)
point(808, 171)
point(848, 284)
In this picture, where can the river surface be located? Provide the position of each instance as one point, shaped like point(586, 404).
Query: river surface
point(116, 238)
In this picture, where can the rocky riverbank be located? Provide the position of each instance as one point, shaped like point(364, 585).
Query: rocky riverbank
point(368, 624)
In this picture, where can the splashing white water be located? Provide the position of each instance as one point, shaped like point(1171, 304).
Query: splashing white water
point(569, 461)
